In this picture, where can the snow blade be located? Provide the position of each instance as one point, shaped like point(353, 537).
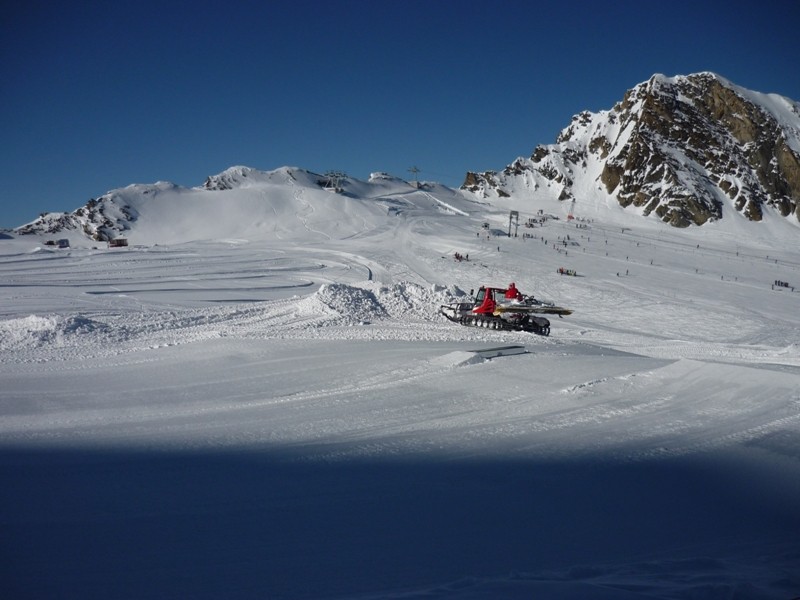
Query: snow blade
point(542, 309)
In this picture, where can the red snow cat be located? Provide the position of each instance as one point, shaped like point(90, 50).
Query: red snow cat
point(503, 308)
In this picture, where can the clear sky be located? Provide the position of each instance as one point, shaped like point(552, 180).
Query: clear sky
point(96, 95)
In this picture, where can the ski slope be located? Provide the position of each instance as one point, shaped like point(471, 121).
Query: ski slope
point(278, 411)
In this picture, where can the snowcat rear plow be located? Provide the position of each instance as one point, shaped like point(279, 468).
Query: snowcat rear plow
point(493, 310)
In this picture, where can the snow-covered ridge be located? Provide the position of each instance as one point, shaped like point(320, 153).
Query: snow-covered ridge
point(241, 202)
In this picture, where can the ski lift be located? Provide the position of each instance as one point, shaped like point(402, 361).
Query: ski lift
point(333, 182)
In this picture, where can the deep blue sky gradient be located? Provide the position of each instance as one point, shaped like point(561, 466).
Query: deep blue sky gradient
point(99, 95)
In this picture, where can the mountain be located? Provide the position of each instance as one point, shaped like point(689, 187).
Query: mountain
point(687, 149)
point(242, 202)
point(118, 211)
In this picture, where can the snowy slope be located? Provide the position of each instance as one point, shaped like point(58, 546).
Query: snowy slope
point(257, 398)
point(242, 202)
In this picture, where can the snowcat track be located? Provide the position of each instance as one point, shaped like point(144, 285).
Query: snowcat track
point(493, 323)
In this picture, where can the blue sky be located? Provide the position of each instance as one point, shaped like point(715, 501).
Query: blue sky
point(99, 95)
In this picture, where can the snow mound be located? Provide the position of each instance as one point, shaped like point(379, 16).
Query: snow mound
point(351, 303)
point(80, 325)
point(371, 301)
point(409, 300)
point(35, 331)
point(27, 332)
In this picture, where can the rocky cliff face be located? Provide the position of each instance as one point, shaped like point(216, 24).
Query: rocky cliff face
point(101, 219)
point(686, 149)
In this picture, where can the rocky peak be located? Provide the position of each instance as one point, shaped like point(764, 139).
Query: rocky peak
point(101, 219)
point(229, 179)
point(685, 149)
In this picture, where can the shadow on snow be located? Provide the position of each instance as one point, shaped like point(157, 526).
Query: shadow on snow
point(118, 524)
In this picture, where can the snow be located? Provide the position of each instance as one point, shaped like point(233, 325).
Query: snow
point(258, 399)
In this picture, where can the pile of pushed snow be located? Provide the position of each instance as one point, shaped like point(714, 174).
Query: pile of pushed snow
point(371, 301)
point(349, 303)
point(35, 331)
point(411, 300)
point(27, 332)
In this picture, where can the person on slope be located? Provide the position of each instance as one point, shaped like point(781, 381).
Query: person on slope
point(512, 293)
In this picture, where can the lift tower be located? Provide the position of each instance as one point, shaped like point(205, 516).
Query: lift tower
point(513, 219)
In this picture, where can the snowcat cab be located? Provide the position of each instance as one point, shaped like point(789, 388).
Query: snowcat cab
point(485, 301)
